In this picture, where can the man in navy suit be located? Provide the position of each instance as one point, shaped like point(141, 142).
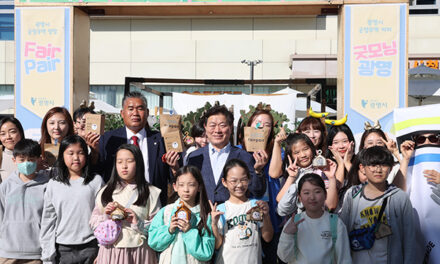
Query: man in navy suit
point(136, 131)
point(211, 159)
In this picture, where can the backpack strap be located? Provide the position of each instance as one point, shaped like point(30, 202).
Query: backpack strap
point(222, 208)
point(334, 231)
point(295, 236)
point(356, 190)
point(253, 202)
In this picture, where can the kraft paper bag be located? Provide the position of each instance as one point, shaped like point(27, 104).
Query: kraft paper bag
point(95, 123)
point(169, 123)
point(173, 141)
point(256, 138)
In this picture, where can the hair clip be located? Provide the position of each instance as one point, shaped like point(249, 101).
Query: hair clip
point(92, 105)
point(368, 126)
point(261, 106)
point(83, 104)
point(317, 115)
point(338, 122)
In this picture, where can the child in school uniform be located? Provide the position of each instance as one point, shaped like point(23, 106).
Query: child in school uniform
point(21, 206)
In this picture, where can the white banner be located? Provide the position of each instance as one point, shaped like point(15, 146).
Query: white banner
point(425, 198)
point(418, 118)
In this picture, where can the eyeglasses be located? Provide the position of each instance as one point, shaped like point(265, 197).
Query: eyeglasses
point(376, 166)
point(242, 181)
point(422, 139)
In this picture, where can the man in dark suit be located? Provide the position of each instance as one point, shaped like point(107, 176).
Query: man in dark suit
point(211, 159)
point(136, 131)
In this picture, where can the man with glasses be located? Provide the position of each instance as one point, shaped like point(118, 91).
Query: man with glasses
point(423, 187)
point(426, 139)
point(212, 158)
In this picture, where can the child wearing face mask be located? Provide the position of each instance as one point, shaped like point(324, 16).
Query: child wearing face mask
point(21, 206)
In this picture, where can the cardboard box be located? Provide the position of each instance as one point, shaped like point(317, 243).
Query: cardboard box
point(95, 123)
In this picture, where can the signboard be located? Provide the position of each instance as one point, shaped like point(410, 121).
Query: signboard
point(42, 64)
point(375, 57)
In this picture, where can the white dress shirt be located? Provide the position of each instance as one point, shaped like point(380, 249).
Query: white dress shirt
point(142, 136)
point(218, 160)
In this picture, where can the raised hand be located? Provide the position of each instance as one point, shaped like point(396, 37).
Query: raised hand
point(215, 215)
point(92, 139)
point(407, 149)
point(350, 153)
point(264, 207)
point(261, 159)
point(281, 136)
point(432, 176)
point(336, 155)
point(330, 169)
point(292, 227)
point(172, 158)
point(390, 144)
point(292, 170)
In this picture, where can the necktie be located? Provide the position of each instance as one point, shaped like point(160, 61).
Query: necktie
point(135, 140)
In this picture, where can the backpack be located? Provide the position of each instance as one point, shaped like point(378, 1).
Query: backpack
point(333, 230)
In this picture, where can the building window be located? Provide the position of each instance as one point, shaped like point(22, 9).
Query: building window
point(424, 7)
point(6, 20)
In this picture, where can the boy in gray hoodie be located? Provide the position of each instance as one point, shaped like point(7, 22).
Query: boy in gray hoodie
point(394, 232)
point(21, 206)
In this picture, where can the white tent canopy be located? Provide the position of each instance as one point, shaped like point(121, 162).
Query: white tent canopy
point(423, 86)
point(7, 105)
point(301, 103)
point(106, 108)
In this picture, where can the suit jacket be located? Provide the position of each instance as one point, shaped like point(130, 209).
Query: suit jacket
point(215, 190)
point(160, 173)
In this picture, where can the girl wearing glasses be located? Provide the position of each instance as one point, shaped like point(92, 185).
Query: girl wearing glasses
point(239, 222)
